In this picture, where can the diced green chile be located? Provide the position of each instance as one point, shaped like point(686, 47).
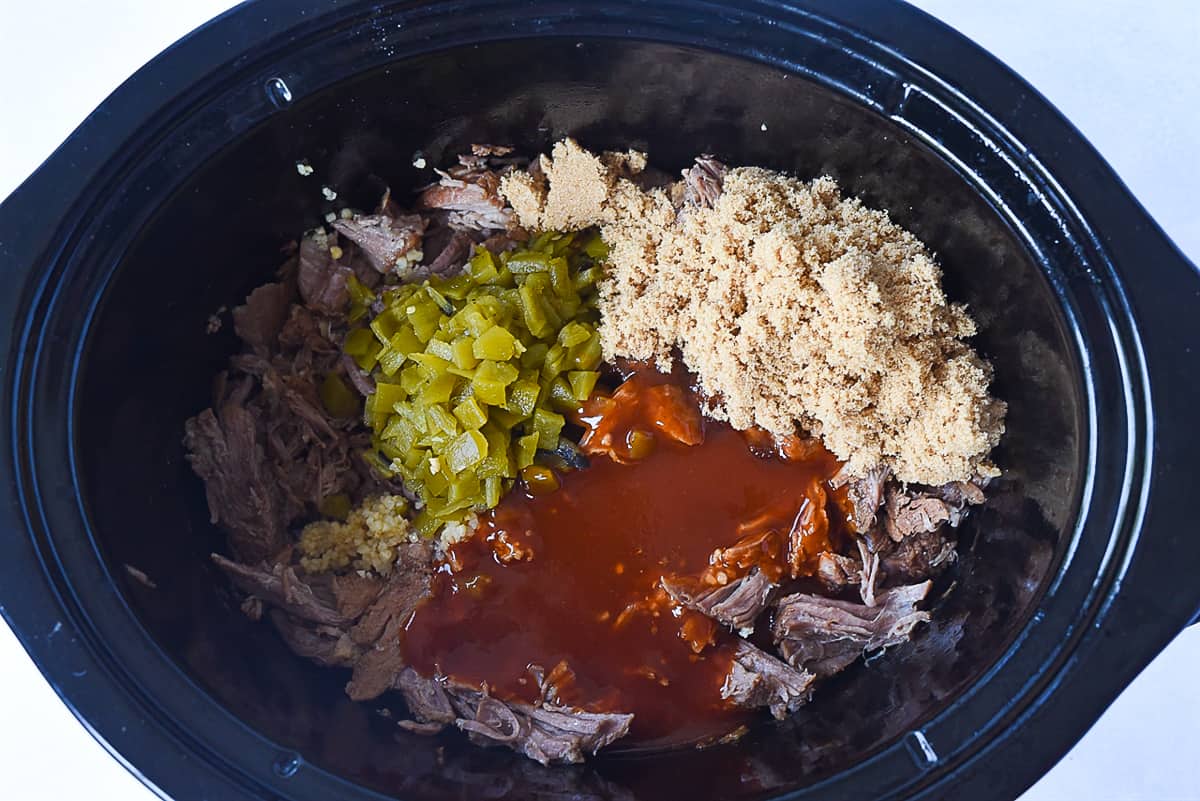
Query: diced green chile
point(472, 372)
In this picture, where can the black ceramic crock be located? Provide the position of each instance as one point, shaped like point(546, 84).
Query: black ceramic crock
point(174, 197)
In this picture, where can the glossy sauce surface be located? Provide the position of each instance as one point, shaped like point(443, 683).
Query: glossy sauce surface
point(566, 584)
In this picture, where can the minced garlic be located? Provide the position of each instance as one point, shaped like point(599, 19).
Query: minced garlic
point(366, 540)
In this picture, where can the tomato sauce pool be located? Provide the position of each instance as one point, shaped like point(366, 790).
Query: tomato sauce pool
point(557, 595)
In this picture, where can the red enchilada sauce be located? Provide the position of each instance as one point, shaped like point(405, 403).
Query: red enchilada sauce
point(562, 588)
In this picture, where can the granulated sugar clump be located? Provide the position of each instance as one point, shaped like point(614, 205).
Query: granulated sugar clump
point(792, 305)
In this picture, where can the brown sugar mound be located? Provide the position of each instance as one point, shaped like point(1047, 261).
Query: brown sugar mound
point(791, 304)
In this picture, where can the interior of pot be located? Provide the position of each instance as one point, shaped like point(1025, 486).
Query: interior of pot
point(150, 364)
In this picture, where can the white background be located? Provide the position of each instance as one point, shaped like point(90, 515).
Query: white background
point(1126, 72)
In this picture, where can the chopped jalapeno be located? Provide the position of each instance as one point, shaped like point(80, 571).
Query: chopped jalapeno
point(474, 372)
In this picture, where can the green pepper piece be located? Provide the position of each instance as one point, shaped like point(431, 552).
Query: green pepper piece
point(548, 425)
point(556, 362)
point(560, 277)
point(534, 355)
point(458, 287)
point(586, 279)
point(542, 241)
point(440, 419)
point(412, 378)
point(596, 248)
point(582, 383)
point(640, 443)
point(337, 398)
point(440, 348)
point(504, 418)
point(522, 397)
point(368, 360)
point(387, 396)
point(377, 464)
point(493, 489)
point(490, 380)
point(358, 342)
point(496, 343)
point(444, 305)
point(560, 396)
point(431, 366)
point(539, 480)
point(526, 261)
point(405, 340)
point(464, 451)
point(526, 449)
point(358, 293)
point(463, 353)
point(399, 433)
point(482, 267)
point(439, 389)
point(425, 317)
point(464, 490)
point(533, 311)
point(573, 334)
point(588, 355)
point(470, 414)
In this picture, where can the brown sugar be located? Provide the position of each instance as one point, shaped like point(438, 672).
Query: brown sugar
point(791, 304)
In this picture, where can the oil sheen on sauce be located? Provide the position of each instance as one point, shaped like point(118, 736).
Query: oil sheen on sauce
point(565, 585)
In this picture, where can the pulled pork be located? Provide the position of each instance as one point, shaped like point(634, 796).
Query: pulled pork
point(757, 679)
point(824, 635)
point(545, 733)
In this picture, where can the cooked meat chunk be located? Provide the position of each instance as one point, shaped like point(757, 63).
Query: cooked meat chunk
point(502, 241)
point(922, 510)
point(362, 382)
point(405, 588)
point(354, 593)
point(865, 493)
point(348, 620)
point(307, 343)
point(704, 181)
point(913, 514)
point(384, 239)
point(813, 519)
point(224, 449)
point(376, 670)
point(553, 685)
point(757, 679)
point(283, 588)
point(870, 573)
point(322, 280)
point(918, 556)
point(823, 635)
point(962, 493)
point(450, 257)
point(470, 193)
point(837, 571)
point(270, 451)
point(328, 646)
point(479, 150)
point(427, 699)
point(736, 604)
point(260, 319)
point(548, 734)
point(381, 624)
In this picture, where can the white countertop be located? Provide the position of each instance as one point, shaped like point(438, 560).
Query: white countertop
point(1127, 73)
